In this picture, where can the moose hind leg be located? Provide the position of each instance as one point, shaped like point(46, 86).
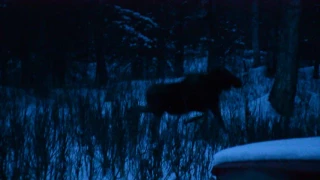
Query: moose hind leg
point(215, 111)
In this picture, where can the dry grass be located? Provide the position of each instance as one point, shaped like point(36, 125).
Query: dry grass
point(78, 134)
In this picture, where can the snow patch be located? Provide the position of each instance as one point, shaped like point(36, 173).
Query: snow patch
point(262, 108)
point(286, 149)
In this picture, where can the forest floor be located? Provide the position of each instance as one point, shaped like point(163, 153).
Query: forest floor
point(100, 116)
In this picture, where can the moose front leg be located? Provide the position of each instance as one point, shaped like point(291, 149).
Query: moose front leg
point(217, 114)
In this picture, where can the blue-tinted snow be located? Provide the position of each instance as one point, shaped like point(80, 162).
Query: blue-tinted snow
point(131, 93)
point(287, 149)
point(131, 30)
point(255, 92)
point(137, 15)
point(196, 66)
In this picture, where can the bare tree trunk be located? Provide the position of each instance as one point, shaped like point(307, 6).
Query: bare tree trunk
point(212, 17)
point(59, 67)
point(41, 67)
point(4, 55)
point(316, 68)
point(161, 61)
point(274, 38)
point(179, 54)
point(101, 71)
point(255, 33)
point(137, 66)
point(317, 49)
point(179, 57)
point(26, 80)
point(272, 54)
point(283, 91)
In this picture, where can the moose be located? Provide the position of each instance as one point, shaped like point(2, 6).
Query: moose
point(196, 92)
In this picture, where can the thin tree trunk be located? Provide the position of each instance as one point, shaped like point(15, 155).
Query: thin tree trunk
point(101, 71)
point(255, 33)
point(4, 45)
point(60, 45)
point(316, 68)
point(26, 74)
point(179, 54)
point(4, 66)
point(317, 49)
point(272, 54)
point(137, 67)
point(179, 57)
point(274, 37)
point(283, 91)
point(161, 61)
point(41, 67)
point(213, 58)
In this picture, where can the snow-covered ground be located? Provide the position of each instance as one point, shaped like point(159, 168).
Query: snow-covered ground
point(255, 92)
point(132, 93)
point(293, 158)
point(285, 149)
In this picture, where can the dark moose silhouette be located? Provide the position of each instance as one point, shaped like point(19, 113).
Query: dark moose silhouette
point(197, 92)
